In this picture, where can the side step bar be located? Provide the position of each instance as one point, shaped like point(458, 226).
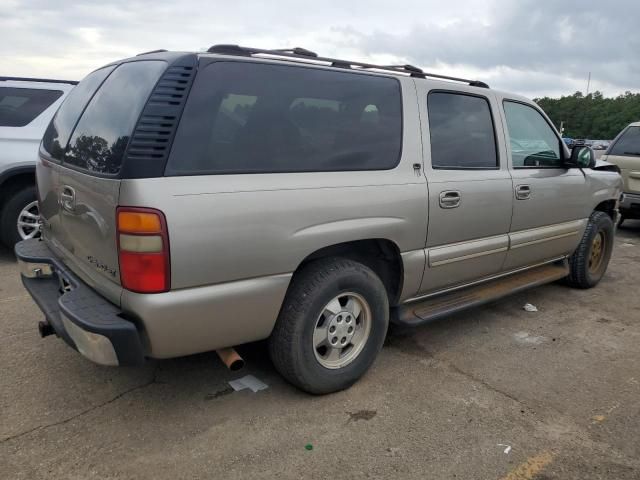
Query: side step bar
point(433, 308)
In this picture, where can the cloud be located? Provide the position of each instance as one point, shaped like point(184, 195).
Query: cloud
point(532, 47)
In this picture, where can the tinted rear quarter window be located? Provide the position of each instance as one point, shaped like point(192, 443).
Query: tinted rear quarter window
point(21, 106)
point(628, 143)
point(102, 134)
point(247, 117)
point(462, 132)
point(57, 134)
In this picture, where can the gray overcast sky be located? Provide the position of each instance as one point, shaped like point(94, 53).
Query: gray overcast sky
point(536, 48)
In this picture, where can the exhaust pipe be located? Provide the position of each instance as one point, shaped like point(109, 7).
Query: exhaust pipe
point(45, 329)
point(230, 358)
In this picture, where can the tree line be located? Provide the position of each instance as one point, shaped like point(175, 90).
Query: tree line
point(592, 116)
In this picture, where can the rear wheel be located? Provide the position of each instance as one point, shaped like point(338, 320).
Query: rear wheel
point(331, 326)
point(590, 260)
point(19, 219)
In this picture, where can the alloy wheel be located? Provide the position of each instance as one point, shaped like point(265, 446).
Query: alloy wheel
point(341, 330)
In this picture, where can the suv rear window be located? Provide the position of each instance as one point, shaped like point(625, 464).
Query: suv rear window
point(59, 130)
point(20, 106)
point(628, 143)
point(99, 140)
point(258, 118)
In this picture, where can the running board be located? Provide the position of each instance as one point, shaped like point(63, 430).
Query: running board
point(433, 308)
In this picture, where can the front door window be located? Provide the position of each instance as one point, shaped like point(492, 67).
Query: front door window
point(533, 142)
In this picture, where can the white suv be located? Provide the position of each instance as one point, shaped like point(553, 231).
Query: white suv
point(26, 108)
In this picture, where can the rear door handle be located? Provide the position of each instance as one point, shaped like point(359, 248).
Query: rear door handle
point(68, 198)
point(450, 199)
point(523, 192)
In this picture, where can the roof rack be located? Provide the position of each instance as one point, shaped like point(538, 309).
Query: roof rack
point(304, 54)
point(44, 80)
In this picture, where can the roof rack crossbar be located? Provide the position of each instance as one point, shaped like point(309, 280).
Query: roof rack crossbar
point(160, 50)
point(408, 68)
point(302, 53)
point(297, 51)
point(43, 80)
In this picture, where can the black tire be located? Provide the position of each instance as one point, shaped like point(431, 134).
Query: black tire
point(15, 202)
point(582, 276)
point(291, 343)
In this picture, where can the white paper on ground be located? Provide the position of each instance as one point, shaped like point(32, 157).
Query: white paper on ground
point(506, 450)
point(248, 381)
point(530, 308)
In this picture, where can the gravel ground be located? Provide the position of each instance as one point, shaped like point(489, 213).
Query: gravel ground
point(493, 393)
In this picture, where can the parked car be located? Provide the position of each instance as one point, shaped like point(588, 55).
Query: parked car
point(624, 152)
point(600, 146)
point(569, 142)
point(195, 201)
point(26, 108)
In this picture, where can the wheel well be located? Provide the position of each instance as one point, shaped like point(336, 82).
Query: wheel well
point(14, 183)
point(608, 207)
point(380, 255)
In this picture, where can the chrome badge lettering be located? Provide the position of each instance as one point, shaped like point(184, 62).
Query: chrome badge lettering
point(101, 266)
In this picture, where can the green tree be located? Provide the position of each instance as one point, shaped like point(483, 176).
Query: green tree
point(592, 116)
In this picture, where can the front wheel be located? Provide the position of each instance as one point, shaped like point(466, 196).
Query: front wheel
point(590, 260)
point(331, 326)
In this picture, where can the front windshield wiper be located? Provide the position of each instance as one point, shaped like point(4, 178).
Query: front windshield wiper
point(631, 153)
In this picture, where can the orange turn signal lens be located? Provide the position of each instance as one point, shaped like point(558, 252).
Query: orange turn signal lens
point(143, 250)
point(139, 222)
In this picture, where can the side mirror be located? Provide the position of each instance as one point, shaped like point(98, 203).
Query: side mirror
point(582, 156)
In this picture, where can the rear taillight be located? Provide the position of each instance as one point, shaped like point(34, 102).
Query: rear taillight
point(143, 250)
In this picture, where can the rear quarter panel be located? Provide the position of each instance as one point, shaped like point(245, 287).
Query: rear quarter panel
point(225, 228)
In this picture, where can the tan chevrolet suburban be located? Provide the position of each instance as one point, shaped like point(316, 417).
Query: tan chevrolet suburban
point(624, 152)
point(196, 201)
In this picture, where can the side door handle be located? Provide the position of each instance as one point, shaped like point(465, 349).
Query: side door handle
point(68, 198)
point(523, 192)
point(450, 199)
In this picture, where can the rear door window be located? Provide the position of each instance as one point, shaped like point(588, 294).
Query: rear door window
point(462, 132)
point(59, 130)
point(102, 134)
point(21, 106)
point(247, 117)
point(628, 144)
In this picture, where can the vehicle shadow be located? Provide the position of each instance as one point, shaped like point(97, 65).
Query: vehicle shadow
point(6, 256)
point(630, 229)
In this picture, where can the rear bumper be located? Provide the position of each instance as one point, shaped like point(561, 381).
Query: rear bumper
point(630, 205)
point(82, 318)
